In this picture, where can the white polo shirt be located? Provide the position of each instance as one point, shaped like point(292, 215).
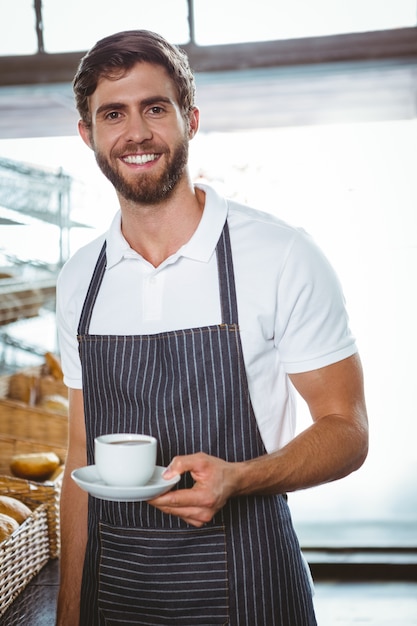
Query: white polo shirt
point(291, 308)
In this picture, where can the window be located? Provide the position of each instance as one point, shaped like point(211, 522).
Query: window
point(17, 29)
point(76, 25)
point(227, 21)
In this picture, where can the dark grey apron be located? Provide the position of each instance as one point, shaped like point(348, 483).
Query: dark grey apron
point(188, 388)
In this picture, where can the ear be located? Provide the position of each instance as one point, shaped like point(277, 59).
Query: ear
point(193, 122)
point(85, 133)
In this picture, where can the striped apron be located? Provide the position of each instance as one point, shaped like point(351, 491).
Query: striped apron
point(188, 388)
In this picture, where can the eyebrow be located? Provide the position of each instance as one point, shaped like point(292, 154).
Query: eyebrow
point(155, 100)
point(109, 106)
point(119, 106)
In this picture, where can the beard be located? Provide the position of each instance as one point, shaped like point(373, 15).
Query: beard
point(148, 188)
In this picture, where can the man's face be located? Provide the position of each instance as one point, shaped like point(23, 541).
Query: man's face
point(138, 134)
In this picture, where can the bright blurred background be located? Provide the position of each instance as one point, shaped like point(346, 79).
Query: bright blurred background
point(351, 183)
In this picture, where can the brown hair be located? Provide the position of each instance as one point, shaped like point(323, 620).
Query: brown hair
point(118, 53)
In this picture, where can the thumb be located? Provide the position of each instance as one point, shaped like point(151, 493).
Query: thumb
point(173, 469)
point(181, 464)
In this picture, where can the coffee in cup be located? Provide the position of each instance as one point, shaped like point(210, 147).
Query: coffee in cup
point(125, 459)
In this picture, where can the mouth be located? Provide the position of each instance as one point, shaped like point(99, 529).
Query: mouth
point(139, 159)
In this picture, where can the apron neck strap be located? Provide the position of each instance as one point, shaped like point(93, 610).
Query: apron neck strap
point(227, 286)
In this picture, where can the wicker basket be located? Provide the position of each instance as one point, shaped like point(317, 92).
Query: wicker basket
point(23, 554)
point(47, 493)
point(32, 429)
point(26, 429)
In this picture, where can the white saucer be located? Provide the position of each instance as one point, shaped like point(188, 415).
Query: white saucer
point(88, 479)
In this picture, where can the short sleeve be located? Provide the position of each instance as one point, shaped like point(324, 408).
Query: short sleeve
point(312, 325)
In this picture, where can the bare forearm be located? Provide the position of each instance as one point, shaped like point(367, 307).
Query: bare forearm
point(330, 449)
point(74, 503)
point(334, 446)
point(73, 542)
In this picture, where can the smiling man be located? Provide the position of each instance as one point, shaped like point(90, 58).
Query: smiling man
point(149, 123)
point(192, 319)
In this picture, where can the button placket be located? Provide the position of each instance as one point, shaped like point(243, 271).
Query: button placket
point(153, 296)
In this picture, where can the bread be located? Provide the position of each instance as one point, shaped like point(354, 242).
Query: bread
point(35, 466)
point(23, 387)
point(14, 508)
point(54, 366)
point(7, 526)
point(55, 403)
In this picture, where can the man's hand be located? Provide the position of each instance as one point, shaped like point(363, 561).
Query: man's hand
point(214, 480)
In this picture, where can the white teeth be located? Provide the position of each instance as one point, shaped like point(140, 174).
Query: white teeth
point(139, 159)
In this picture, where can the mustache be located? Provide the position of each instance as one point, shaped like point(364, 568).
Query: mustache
point(139, 148)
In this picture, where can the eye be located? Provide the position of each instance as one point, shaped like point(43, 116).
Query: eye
point(113, 115)
point(156, 110)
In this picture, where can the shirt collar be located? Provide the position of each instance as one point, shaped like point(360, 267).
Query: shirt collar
point(117, 247)
point(201, 245)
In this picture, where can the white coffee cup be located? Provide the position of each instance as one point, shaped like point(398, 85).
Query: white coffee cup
point(125, 459)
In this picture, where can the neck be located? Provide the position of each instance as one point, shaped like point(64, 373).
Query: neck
point(158, 231)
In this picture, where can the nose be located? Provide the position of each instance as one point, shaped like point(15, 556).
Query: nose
point(137, 129)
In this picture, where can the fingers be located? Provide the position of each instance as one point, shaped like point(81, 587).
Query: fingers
point(192, 515)
point(183, 503)
point(198, 505)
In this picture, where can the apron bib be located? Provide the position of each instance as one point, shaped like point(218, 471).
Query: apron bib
point(187, 388)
